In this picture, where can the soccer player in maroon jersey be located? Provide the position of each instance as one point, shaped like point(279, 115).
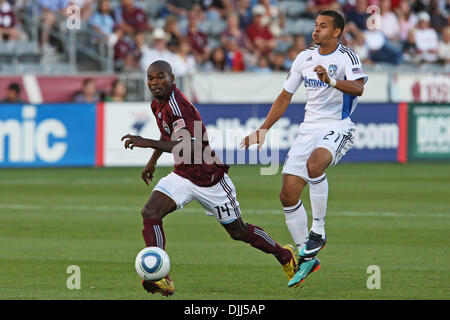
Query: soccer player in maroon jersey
point(183, 134)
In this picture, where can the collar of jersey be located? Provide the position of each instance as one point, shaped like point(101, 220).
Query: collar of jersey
point(328, 53)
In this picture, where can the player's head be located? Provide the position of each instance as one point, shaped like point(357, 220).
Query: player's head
point(160, 78)
point(328, 28)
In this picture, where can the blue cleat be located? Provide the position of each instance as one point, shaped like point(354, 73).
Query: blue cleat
point(307, 267)
point(313, 245)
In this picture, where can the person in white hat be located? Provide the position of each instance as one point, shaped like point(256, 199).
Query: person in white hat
point(426, 39)
point(158, 49)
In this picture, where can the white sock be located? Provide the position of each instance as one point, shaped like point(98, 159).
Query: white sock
point(297, 223)
point(318, 194)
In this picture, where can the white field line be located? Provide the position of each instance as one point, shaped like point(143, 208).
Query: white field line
point(33, 181)
point(101, 208)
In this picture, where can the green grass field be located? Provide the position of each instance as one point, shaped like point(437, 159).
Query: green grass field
point(393, 216)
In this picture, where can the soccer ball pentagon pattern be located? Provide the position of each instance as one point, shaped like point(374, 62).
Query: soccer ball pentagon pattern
point(152, 263)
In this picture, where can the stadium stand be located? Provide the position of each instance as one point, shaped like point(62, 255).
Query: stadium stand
point(113, 36)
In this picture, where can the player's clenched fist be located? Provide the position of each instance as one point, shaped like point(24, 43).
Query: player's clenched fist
point(322, 74)
point(134, 141)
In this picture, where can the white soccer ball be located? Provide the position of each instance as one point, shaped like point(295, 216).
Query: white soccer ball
point(152, 263)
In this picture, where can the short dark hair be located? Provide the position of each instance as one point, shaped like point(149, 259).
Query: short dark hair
point(338, 19)
point(15, 87)
point(162, 65)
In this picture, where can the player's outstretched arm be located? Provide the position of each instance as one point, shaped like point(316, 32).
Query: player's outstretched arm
point(277, 110)
point(137, 141)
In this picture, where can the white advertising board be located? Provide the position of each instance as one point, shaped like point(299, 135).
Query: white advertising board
point(133, 118)
point(421, 87)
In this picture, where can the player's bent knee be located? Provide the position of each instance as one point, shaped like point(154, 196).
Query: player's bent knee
point(314, 169)
point(150, 213)
point(288, 199)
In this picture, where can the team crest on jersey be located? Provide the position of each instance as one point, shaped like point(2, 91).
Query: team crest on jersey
point(166, 127)
point(332, 68)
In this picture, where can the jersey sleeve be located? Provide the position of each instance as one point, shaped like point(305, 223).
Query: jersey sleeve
point(294, 77)
point(183, 117)
point(353, 67)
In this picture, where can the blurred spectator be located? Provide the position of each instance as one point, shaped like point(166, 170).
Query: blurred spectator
point(437, 19)
point(444, 46)
point(272, 17)
point(235, 56)
point(216, 9)
point(419, 5)
point(299, 43)
point(217, 60)
point(426, 38)
point(131, 18)
point(262, 40)
point(290, 57)
point(85, 8)
point(8, 23)
point(88, 93)
point(410, 48)
point(173, 33)
point(359, 14)
point(197, 39)
point(406, 18)
point(381, 50)
point(102, 20)
point(277, 62)
point(263, 65)
point(361, 49)
point(389, 22)
point(118, 91)
point(244, 13)
point(234, 33)
point(183, 60)
point(355, 39)
point(158, 51)
point(49, 11)
point(180, 8)
point(316, 6)
point(125, 49)
point(13, 94)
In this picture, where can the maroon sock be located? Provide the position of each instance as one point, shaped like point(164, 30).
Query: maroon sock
point(259, 239)
point(153, 233)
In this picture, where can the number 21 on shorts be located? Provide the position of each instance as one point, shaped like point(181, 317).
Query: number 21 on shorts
point(330, 136)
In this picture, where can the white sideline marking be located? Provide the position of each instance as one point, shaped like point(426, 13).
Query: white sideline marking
point(58, 181)
point(192, 210)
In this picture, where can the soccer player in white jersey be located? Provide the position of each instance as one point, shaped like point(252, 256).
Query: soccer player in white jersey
point(333, 77)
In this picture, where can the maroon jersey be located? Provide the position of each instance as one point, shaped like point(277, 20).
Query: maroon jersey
point(136, 18)
point(179, 113)
point(7, 16)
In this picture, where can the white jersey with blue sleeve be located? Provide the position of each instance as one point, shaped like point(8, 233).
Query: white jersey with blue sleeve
point(323, 102)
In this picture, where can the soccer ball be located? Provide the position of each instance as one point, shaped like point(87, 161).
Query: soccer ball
point(152, 263)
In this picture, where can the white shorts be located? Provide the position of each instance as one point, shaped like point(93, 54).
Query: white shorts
point(218, 201)
point(337, 137)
